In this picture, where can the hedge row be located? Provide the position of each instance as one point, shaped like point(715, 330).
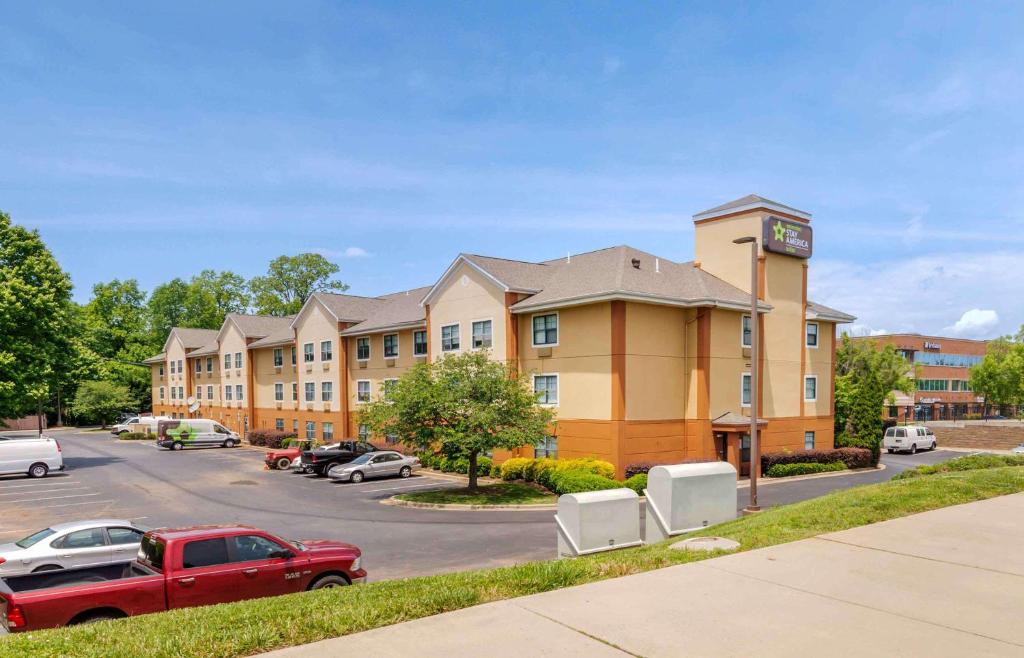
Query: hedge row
point(645, 467)
point(806, 468)
point(273, 439)
point(137, 436)
point(448, 464)
point(637, 483)
point(851, 457)
point(543, 470)
point(966, 463)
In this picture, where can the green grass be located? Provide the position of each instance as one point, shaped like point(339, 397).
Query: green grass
point(248, 627)
point(965, 463)
point(506, 493)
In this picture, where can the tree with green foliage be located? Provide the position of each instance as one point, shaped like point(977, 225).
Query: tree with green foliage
point(867, 374)
point(201, 303)
point(116, 330)
point(100, 400)
point(35, 298)
point(291, 280)
point(1000, 375)
point(465, 405)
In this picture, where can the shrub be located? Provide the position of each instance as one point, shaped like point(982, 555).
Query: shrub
point(496, 471)
point(137, 436)
point(637, 483)
point(483, 466)
point(639, 468)
point(851, 457)
point(272, 439)
point(566, 482)
point(872, 444)
point(588, 465)
point(513, 468)
point(535, 470)
point(967, 463)
point(805, 468)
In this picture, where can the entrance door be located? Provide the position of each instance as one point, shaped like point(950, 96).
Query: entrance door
point(745, 455)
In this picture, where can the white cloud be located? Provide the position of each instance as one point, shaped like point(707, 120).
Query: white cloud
point(355, 252)
point(975, 323)
point(348, 252)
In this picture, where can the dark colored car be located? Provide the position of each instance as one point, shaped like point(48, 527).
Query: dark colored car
point(178, 568)
point(321, 459)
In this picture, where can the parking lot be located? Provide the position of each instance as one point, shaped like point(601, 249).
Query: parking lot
point(132, 480)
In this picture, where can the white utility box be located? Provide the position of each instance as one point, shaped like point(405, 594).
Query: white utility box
point(597, 521)
point(685, 497)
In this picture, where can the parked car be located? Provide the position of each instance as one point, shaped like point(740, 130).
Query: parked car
point(194, 433)
point(34, 457)
point(380, 464)
point(909, 438)
point(150, 422)
point(282, 458)
point(72, 545)
point(179, 568)
point(1019, 449)
point(320, 459)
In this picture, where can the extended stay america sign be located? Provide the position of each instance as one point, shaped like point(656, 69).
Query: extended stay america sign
point(782, 236)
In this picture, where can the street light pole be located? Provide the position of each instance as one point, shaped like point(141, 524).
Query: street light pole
point(755, 453)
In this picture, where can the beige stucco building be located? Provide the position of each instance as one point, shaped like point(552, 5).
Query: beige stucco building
point(643, 358)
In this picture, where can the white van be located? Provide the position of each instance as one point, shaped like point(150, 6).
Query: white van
point(194, 433)
point(148, 421)
point(909, 438)
point(34, 457)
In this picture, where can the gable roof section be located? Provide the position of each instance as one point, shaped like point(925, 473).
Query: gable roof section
point(259, 326)
point(343, 308)
point(816, 311)
point(282, 336)
point(508, 275)
point(750, 202)
point(157, 359)
point(190, 338)
point(400, 310)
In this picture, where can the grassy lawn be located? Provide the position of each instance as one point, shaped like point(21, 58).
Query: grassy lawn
point(506, 493)
point(248, 627)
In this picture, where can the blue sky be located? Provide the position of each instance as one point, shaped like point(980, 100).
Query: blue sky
point(152, 142)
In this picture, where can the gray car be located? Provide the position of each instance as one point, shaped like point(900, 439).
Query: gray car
point(72, 545)
point(382, 463)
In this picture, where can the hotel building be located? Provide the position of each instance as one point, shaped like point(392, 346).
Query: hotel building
point(643, 358)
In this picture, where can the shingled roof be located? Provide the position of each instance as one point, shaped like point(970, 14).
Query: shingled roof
point(259, 326)
point(396, 311)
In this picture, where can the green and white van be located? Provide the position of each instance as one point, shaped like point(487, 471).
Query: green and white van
point(194, 433)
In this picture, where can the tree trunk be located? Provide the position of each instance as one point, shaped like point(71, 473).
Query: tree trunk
point(472, 471)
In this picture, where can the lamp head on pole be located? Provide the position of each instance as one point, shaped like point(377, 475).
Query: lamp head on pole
point(744, 240)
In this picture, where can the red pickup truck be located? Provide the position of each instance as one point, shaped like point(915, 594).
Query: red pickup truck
point(179, 568)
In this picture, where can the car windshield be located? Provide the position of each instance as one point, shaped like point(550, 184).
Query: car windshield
point(361, 459)
point(34, 539)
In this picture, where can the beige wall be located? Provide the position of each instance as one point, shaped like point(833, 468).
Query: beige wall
point(655, 362)
point(468, 297)
point(205, 380)
point(317, 325)
point(714, 249)
point(784, 335)
point(819, 362)
point(156, 381)
point(377, 369)
point(729, 360)
point(176, 352)
point(266, 375)
point(231, 343)
point(582, 359)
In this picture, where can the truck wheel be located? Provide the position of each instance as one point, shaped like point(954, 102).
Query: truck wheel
point(283, 463)
point(357, 477)
point(38, 470)
point(177, 445)
point(327, 582)
point(92, 618)
point(405, 472)
point(913, 449)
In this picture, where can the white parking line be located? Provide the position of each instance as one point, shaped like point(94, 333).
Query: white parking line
point(32, 500)
point(36, 484)
point(23, 493)
point(87, 502)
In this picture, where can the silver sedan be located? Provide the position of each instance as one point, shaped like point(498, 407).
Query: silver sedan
point(382, 463)
point(71, 545)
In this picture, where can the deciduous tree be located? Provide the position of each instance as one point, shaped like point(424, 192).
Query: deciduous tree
point(291, 280)
point(100, 400)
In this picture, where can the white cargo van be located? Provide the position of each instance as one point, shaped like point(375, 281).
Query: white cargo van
point(34, 457)
point(149, 422)
point(909, 438)
point(194, 433)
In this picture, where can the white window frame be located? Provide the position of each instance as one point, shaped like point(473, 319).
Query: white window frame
point(814, 440)
point(278, 357)
point(227, 393)
point(327, 389)
point(384, 387)
point(312, 352)
point(239, 393)
point(310, 429)
point(308, 392)
point(471, 323)
point(278, 389)
point(279, 424)
point(817, 335)
point(363, 433)
point(743, 376)
point(558, 388)
point(161, 392)
point(295, 391)
point(815, 398)
point(209, 392)
point(369, 391)
point(327, 356)
point(384, 346)
point(458, 330)
point(558, 330)
point(327, 430)
point(227, 360)
point(426, 343)
point(209, 364)
point(199, 366)
point(161, 370)
point(744, 318)
point(181, 369)
point(238, 360)
point(199, 392)
point(369, 348)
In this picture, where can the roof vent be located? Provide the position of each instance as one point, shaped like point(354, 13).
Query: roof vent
point(636, 263)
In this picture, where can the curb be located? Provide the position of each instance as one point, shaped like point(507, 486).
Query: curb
point(457, 477)
point(761, 481)
point(458, 507)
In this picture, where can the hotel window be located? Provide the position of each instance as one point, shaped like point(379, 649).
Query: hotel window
point(181, 392)
point(545, 387)
point(364, 433)
point(209, 364)
point(295, 426)
point(199, 365)
point(227, 361)
point(326, 350)
point(450, 338)
point(310, 429)
point(310, 391)
point(295, 392)
point(745, 332)
point(363, 390)
point(172, 367)
point(328, 431)
point(238, 392)
point(307, 353)
point(279, 392)
point(293, 356)
point(362, 349)
point(810, 388)
point(387, 386)
point(199, 392)
point(326, 391)
point(391, 346)
point(933, 384)
point(419, 343)
point(161, 392)
point(238, 359)
point(180, 367)
point(960, 385)
point(808, 440)
point(545, 330)
point(161, 371)
point(812, 334)
point(279, 424)
point(278, 357)
point(209, 392)
point(481, 335)
point(391, 438)
point(227, 392)
point(745, 390)
point(547, 448)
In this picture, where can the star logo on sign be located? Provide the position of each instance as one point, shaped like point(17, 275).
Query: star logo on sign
point(780, 231)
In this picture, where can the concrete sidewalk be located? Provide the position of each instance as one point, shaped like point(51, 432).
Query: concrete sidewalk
point(943, 583)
